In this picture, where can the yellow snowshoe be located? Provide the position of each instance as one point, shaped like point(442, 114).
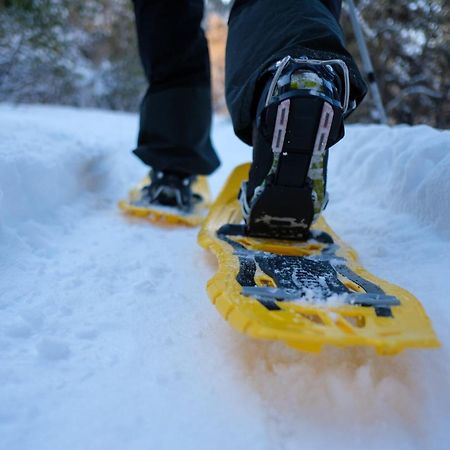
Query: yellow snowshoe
point(305, 293)
point(173, 202)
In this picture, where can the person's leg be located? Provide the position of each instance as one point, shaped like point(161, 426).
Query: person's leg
point(175, 117)
point(289, 105)
point(334, 6)
point(262, 32)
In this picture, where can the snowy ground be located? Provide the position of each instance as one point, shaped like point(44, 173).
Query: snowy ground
point(107, 336)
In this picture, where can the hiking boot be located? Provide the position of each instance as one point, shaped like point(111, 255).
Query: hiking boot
point(299, 116)
point(173, 189)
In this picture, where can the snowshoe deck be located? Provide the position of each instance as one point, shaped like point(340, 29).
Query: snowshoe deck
point(166, 214)
point(307, 294)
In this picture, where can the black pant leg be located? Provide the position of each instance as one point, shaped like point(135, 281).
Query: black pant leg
point(262, 32)
point(175, 116)
point(334, 6)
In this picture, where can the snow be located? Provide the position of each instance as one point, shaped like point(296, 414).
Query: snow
point(107, 336)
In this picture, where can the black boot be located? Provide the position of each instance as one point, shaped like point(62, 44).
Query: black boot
point(300, 115)
point(172, 189)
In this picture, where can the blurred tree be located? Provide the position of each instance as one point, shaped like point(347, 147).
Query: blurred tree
point(217, 35)
point(32, 50)
point(69, 52)
point(218, 6)
point(409, 44)
point(84, 53)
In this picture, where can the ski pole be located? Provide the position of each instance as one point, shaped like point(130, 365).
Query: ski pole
point(367, 63)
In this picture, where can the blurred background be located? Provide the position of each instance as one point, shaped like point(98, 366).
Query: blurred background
point(83, 53)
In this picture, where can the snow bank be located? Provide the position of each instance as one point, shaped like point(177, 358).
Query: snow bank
point(107, 337)
point(399, 169)
point(52, 158)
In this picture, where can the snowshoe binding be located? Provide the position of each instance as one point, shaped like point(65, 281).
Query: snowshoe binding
point(299, 117)
point(171, 189)
point(171, 197)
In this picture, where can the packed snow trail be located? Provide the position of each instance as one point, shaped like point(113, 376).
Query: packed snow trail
point(107, 336)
